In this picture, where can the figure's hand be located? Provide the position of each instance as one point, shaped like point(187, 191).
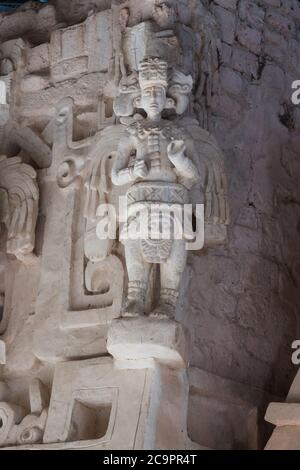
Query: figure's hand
point(140, 169)
point(176, 150)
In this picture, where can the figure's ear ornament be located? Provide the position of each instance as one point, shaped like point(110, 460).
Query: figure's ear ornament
point(170, 104)
point(179, 89)
point(137, 102)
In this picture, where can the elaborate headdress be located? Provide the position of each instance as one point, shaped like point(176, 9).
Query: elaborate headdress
point(153, 70)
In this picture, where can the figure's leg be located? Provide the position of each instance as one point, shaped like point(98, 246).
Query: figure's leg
point(138, 276)
point(170, 276)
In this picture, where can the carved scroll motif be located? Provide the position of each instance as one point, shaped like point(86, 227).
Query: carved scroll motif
point(17, 427)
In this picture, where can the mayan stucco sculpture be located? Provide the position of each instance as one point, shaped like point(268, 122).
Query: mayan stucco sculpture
point(160, 173)
point(115, 121)
point(158, 163)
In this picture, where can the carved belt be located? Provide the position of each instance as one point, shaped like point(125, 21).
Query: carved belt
point(157, 192)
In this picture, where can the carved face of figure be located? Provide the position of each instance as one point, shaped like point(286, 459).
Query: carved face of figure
point(153, 100)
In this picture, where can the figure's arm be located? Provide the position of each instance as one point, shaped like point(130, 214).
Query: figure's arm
point(121, 174)
point(184, 165)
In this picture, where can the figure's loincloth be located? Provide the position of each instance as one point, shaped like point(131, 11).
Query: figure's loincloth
point(156, 216)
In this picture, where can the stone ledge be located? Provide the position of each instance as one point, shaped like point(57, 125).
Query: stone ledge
point(144, 337)
point(283, 414)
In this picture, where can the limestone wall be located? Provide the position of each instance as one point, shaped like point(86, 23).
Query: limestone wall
point(244, 299)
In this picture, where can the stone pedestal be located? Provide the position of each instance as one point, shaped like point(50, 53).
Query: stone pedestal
point(286, 418)
point(159, 348)
point(148, 338)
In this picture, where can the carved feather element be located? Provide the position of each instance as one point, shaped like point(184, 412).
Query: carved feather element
point(18, 182)
point(210, 159)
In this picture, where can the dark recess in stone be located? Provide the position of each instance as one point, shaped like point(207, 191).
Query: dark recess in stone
point(13, 4)
point(261, 66)
point(287, 116)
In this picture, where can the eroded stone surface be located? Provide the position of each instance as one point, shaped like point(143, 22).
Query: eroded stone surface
point(239, 302)
point(148, 338)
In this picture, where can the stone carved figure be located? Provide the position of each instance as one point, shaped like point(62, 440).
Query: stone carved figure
point(150, 160)
point(19, 197)
point(158, 162)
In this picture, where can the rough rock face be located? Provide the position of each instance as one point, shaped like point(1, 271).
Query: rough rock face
point(244, 314)
point(243, 302)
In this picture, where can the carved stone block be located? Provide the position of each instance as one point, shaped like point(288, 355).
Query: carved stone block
point(38, 58)
point(83, 48)
point(79, 296)
point(141, 41)
point(89, 408)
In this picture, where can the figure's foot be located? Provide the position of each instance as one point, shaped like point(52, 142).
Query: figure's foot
point(135, 305)
point(167, 304)
point(163, 311)
point(134, 309)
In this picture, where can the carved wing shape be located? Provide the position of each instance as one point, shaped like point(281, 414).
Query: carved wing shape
point(210, 162)
point(100, 190)
point(19, 205)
